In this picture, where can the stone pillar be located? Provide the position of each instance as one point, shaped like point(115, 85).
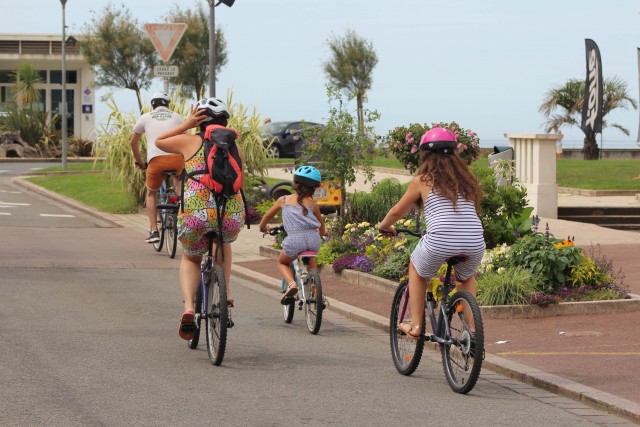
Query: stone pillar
point(535, 164)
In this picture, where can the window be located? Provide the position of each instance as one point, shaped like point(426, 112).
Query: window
point(5, 76)
point(56, 76)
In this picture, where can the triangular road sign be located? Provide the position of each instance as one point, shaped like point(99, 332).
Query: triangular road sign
point(165, 37)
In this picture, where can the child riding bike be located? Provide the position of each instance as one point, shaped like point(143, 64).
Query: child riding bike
point(450, 198)
point(302, 222)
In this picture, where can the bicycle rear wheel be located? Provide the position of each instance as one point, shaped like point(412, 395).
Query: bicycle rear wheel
point(405, 351)
point(217, 316)
point(462, 359)
point(314, 302)
point(197, 309)
point(172, 233)
point(161, 225)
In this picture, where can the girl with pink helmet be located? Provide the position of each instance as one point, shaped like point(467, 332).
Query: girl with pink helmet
point(449, 195)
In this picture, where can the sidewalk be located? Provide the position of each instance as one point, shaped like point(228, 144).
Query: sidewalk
point(592, 359)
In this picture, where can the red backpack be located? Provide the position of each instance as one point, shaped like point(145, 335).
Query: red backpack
point(223, 173)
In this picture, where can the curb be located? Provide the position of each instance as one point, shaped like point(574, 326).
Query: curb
point(369, 281)
point(525, 374)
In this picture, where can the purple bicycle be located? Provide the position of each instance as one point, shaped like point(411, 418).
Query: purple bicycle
point(458, 331)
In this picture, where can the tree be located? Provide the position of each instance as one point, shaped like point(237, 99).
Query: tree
point(340, 148)
point(350, 67)
point(192, 54)
point(568, 99)
point(123, 54)
point(25, 79)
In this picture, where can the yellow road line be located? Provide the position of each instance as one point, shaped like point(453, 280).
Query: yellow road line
point(569, 353)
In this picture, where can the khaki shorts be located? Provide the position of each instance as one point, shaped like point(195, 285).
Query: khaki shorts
point(159, 164)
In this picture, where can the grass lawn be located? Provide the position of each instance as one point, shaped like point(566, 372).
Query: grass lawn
point(95, 190)
point(607, 174)
point(83, 166)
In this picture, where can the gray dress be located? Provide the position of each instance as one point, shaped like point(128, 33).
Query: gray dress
point(302, 231)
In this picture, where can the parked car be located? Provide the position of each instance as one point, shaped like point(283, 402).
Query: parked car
point(284, 137)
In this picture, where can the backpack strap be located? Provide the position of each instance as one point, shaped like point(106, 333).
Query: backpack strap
point(246, 209)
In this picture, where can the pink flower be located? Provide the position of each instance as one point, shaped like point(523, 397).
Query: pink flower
point(472, 134)
point(414, 149)
point(411, 140)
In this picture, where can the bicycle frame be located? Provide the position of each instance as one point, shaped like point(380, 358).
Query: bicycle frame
point(300, 273)
point(436, 325)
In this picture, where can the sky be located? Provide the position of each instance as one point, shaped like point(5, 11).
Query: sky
point(484, 64)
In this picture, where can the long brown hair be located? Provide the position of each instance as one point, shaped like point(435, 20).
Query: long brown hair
point(303, 191)
point(450, 177)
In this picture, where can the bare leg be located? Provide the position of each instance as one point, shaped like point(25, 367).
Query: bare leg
point(226, 265)
point(189, 279)
point(152, 201)
point(470, 286)
point(284, 268)
point(417, 296)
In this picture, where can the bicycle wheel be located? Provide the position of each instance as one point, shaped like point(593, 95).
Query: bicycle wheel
point(462, 359)
point(197, 309)
point(405, 351)
point(314, 302)
point(288, 310)
point(172, 233)
point(161, 225)
point(217, 316)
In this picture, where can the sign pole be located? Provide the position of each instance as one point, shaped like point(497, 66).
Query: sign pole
point(166, 85)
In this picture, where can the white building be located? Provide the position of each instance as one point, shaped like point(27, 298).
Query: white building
point(44, 52)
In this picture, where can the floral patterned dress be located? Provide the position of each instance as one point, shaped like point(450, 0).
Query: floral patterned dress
point(200, 214)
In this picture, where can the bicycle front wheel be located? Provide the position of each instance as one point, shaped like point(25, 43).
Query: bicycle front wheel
point(193, 342)
point(405, 351)
point(161, 225)
point(217, 316)
point(171, 233)
point(462, 359)
point(314, 302)
point(287, 311)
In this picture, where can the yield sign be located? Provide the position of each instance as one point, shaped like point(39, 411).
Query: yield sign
point(165, 37)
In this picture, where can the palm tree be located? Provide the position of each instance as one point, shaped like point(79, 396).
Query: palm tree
point(350, 68)
point(25, 79)
point(568, 99)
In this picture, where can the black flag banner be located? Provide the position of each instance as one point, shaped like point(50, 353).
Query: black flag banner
point(592, 105)
point(638, 140)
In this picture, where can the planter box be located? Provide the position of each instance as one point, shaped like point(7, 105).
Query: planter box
point(365, 280)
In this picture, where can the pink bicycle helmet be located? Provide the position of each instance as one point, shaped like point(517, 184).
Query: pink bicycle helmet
point(439, 140)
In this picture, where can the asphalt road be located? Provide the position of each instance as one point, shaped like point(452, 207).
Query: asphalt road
point(88, 336)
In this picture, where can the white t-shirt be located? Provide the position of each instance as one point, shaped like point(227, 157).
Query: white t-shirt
point(155, 123)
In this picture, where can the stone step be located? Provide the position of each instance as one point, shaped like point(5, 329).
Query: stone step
point(603, 219)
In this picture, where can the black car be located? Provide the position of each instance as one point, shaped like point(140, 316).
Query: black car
point(283, 135)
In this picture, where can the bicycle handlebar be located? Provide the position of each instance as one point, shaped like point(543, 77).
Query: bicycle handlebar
point(410, 232)
point(275, 230)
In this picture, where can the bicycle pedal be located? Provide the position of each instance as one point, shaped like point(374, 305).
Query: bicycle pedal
point(230, 323)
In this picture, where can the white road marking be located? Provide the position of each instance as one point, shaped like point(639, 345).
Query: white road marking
point(4, 170)
point(14, 204)
point(5, 213)
point(58, 215)
point(11, 192)
point(35, 169)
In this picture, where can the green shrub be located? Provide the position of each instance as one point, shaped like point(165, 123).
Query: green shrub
point(507, 286)
point(372, 207)
point(538, 254)
point(505, 215)
point(34, 126)
point(394, 267)
point(587, 273)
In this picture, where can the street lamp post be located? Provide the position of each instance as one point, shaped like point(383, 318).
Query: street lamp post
point(63, 113)
point(212, 43)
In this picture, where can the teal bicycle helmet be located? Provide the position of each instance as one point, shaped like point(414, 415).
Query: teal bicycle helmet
point(307, 175)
